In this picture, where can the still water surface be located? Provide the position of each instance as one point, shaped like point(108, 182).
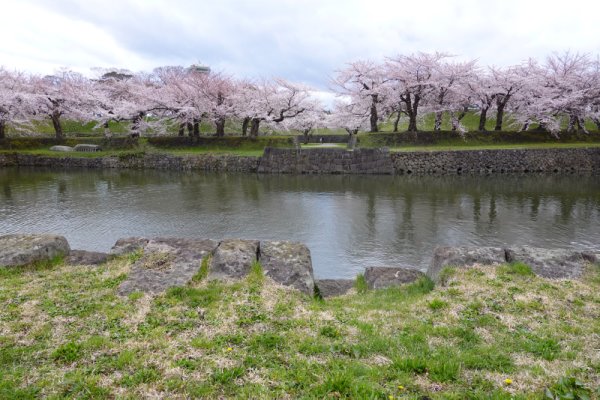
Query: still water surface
point(348, 222)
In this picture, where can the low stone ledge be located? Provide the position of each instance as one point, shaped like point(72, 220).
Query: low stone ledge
point(288, 263)
point(166, 262)
point(84, 257)
point(334, 287)
point(23, 249)
point(128, 245)
point(385, 277)
point(550, 263)
point(233, 258)
point(463, 257)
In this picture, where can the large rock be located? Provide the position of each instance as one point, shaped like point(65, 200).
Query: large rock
point(384, 277)
point(334, 287)
point(128, 245)
point(166, 262)
point(464, 257)
point(233, 258)
point(61, 148)
point(84, 257)
point(288, 263)
point(550, 263)
point(19, 249)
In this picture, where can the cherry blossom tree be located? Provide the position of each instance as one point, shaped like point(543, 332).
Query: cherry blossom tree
point(218, 91)
point(412, 80)
point(66, 94)
point(507, 82)
point(16, 105)
point(271, 101)
point(313, 117)
point(363, 83)
point(451, 91)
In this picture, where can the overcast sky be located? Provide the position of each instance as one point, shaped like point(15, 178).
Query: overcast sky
point(304, 41)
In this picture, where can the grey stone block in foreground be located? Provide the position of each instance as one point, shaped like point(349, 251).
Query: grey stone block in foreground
point(384, 277)
point(128, 245)
point(233, 258)
point(334, 287)
point(551, 263)
point(288, 263)
point(464, 257)
point(166, 262)
point(84, 257)
point(61, 148)
point(23, 249)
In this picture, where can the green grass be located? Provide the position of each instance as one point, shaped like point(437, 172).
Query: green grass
point(65, 333)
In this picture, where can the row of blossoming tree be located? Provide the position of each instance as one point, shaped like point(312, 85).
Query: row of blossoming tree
point(565, 86)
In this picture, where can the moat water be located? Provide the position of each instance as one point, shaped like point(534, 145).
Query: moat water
point(348, 222)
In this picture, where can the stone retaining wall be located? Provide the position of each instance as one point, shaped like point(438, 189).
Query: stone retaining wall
point(340, 161)
point(205, 162)
point(326, 161)
point(497, 161)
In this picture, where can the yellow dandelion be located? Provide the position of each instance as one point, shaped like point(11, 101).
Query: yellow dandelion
point(229, 349)
point(400, 387)
point(508, 381)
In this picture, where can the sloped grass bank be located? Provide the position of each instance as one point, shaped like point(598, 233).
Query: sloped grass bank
point(498, 333)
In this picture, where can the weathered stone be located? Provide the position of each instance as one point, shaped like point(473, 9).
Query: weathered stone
point(233, 258)
point(23, 249)
point(87, 147)
point(288, 263)
point(334, 287)
point(128, 245)
point(166, 262)
point(84, 257)
point(464, 257)
point(384, 277)
point(61, 148)
point(549, 263)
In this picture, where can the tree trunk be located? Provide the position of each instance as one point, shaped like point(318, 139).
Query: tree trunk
point(245, 124)
point(438, 121)
point(571, 125)
point(220, 127)
point(482, 119)
point(581, 125)
point(107, 133)
point(412, 108)
point(525, 126)
point(55, 117)
point(190, 128)
point(374, 116)
point(196, 127)
point(457, 118)
point(2, 129)
point(396, 122)
point(499, 116)
point(181, 129)
point(500, 104)
point(254, 127)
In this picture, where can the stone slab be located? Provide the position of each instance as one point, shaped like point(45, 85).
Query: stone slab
point(384, 277)
point(550, 263)
point(334, 287)
point(84, 257)
point(23, 249)
point(288, 263)
point(166, 262)
point(464, 257)
point(233, 258)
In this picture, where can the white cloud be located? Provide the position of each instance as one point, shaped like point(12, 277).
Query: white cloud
point(302, 41)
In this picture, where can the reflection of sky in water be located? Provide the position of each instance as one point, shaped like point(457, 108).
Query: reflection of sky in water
point(347, 222)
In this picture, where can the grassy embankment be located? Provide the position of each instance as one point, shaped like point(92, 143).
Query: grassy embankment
point(396, 142)
point(487, 333)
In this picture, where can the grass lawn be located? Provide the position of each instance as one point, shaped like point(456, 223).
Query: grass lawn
point(487, 333)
